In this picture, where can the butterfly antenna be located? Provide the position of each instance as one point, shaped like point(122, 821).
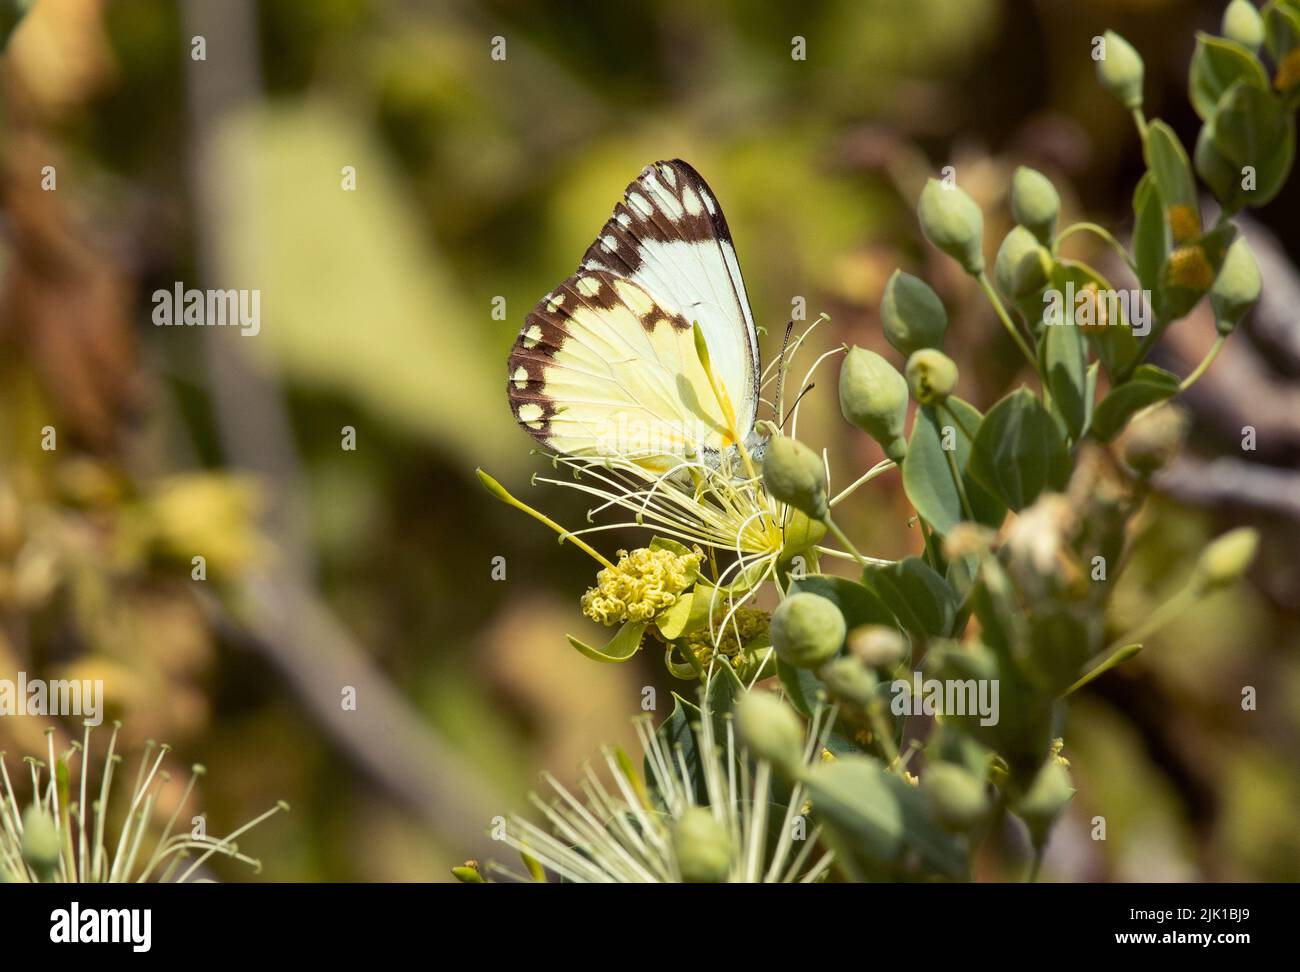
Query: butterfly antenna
point(780, 371)
point(790, 414)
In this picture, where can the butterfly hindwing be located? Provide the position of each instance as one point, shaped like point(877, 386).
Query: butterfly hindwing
point(606, 363)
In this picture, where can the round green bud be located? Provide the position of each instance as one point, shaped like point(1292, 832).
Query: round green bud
point(953, 223)
point(1226, 558)
point(1243, 24)
point(1120, 70)
point(878, 645)
point(1022, 266)
point(702, 846)
point(807, 630)
point(1035, 203)
point(468, 873)
point(40, 840)
point(794, 474)
point(912, 314)
point(873, 396)
point(849, 679)
point(931, 375)
point(956, 797)
point(1153, 438)
point(1044, 800)
point(1237, 287)
point(771, 730)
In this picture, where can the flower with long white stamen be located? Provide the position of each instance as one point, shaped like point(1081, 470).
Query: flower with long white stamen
point(61, 837)
point(623, 829)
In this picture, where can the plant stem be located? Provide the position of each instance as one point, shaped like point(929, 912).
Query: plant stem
point(996, 301)
point(1116, 658)
point(1037, 863)
point(952, 414)
point(1140, 120)
point(1099, 231)
point(500, 492)
point(956, 481)
point(840, 536)
point(1201, 368)
point(883, 466)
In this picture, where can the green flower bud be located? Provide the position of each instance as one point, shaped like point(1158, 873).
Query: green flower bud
point(40, 841)
point(912, 314)
point(878, 645)
point(795, 474)
point(703, 847)
point(873, 396)
point(1044, 800)
point(1226, 558)
point(1243, 24)
point(956, 797)
point(1153, 438)
point(1022, 266)
point(953, 223)
point(468, 873)
point(807, 630)
point(771, 730)
point(931, 375)
point(1035, 203)
point(849, 679)
point(1120, 70)
point(801, 534)
point(1236, 288)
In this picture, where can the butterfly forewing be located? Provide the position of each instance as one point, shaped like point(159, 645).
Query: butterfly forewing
point(606, 364)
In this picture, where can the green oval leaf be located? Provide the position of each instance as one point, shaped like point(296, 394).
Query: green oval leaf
point(1217, 64)
point(879, 819)
point(927, 476)
point(1253, 128)
point(619, 649)
point(1115, 343)
point(1148, 385)
point(1169, 165)
point(1065, 364)
point(922, 601)
point(1019, 451)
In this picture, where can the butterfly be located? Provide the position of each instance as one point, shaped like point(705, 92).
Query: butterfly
point(606, 364)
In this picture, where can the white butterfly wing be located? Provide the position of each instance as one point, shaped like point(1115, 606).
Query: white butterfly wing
point(606, 364)
point(669, 235)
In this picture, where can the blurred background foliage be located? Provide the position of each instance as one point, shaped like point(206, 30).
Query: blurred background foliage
point(478, 179)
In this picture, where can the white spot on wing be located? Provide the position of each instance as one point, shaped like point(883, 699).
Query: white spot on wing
point(639, 203)
point(636, 299)
point(709, 204)
point(692, 201)
point(520, 377)
point(588, 286)
point(532, 336)
point(624, 219)
point(530, 414)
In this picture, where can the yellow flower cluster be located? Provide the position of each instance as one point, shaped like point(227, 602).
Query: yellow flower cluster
point(1184, 223)
point(749, 622)
point(1188, 267)
point(645, 583)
